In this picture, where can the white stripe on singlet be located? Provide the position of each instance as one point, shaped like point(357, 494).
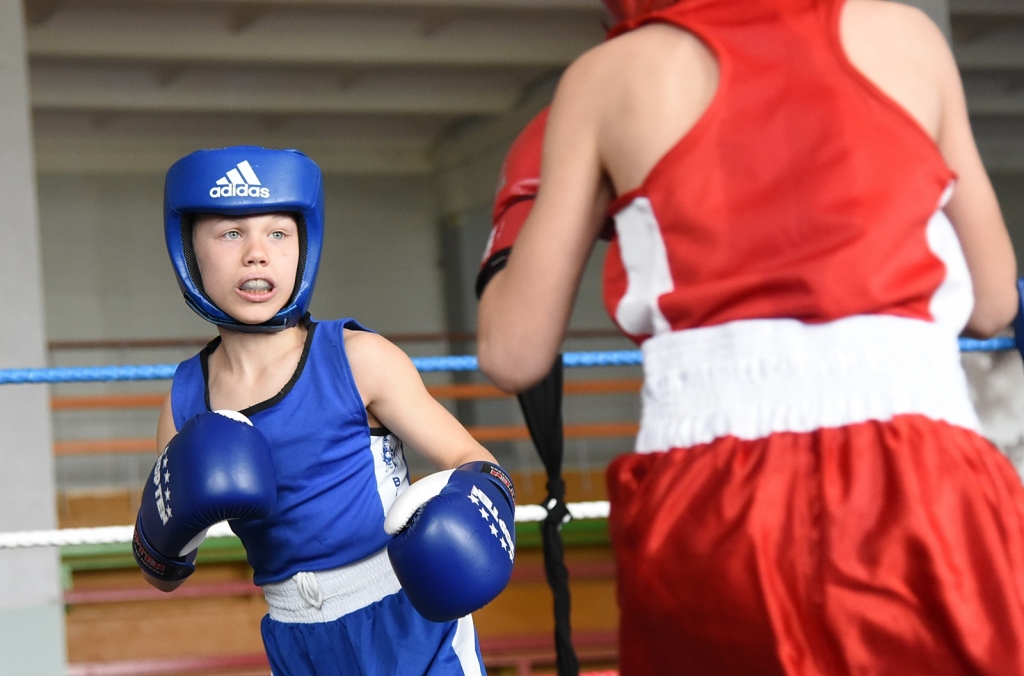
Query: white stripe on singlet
point(464, 645)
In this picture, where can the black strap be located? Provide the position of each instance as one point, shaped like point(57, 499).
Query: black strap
point(542, 409)
point(494, 264)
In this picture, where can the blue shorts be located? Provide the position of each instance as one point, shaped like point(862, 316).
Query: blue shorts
point(384, 639)
point(357, 621)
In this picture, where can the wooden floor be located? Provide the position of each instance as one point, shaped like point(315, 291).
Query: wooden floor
point(114, 617)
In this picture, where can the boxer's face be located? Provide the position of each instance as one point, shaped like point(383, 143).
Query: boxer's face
point(248, 263)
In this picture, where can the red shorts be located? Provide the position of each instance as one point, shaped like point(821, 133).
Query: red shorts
point(873, 548)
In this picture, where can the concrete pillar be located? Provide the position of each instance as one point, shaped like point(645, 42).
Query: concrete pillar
point(31, 607)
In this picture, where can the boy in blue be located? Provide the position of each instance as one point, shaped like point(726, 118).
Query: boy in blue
point(292, 430)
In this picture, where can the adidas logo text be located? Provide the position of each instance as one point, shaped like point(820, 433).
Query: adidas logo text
point(240, 182)
point(239, 191)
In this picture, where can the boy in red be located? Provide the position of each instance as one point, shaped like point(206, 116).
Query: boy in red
point(803, 227)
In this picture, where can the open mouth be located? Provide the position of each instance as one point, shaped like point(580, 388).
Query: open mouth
point(256, 289)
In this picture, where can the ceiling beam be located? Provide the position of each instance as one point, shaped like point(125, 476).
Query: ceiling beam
point(461, 144)
point(986, 8)
point(1000, 49)
point(957, 7)
point(1000, 156)
point(343, 102)
point(173, 90)
point(39, 11)
point(104, 154)
point(239, 92)
point(242, 17)
point(1003, 105)
point(1001, 142)
point(380, 43)
point(594, 6)
point(995, 94)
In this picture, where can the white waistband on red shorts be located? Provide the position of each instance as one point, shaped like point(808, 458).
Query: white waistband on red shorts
point(326, 595)
point(752, 378)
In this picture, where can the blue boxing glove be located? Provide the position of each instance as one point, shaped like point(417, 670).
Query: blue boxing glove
point(455, 539)
point(218, 467)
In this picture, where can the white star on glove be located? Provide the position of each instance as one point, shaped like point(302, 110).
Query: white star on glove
point(494, 531)
point(484, 514)
point(167, 477)
point(475, 500)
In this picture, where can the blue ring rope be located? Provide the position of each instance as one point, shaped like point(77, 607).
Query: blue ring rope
point(990, 345)
point(78, 374)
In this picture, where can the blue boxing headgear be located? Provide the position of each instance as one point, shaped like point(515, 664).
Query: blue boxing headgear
point(241, 181)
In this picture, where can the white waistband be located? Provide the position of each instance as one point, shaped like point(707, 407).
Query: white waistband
point(751, 378)
point(326, 595)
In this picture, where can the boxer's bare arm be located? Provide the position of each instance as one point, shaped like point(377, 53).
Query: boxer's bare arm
point(975, 213)
point(525, 308)
point(979, 225)
point(395, 397)
point(977, 218)
point(898, 48)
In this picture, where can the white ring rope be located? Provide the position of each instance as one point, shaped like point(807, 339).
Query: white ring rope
point(122, 534)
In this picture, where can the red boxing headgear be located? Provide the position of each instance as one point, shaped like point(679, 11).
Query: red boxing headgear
point(623, 10)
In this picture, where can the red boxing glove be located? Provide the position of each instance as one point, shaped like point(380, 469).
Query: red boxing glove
point(517, 188)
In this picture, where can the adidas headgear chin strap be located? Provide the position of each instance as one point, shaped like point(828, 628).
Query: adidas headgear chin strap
point(241, 181)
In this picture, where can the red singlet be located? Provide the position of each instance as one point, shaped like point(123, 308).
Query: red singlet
point(810, 494)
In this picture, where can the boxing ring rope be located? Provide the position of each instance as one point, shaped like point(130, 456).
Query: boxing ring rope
point(80, 374)
point(524, 513)
point(123, 534)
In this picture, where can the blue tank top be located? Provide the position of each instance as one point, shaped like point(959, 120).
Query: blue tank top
point(336, 477)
